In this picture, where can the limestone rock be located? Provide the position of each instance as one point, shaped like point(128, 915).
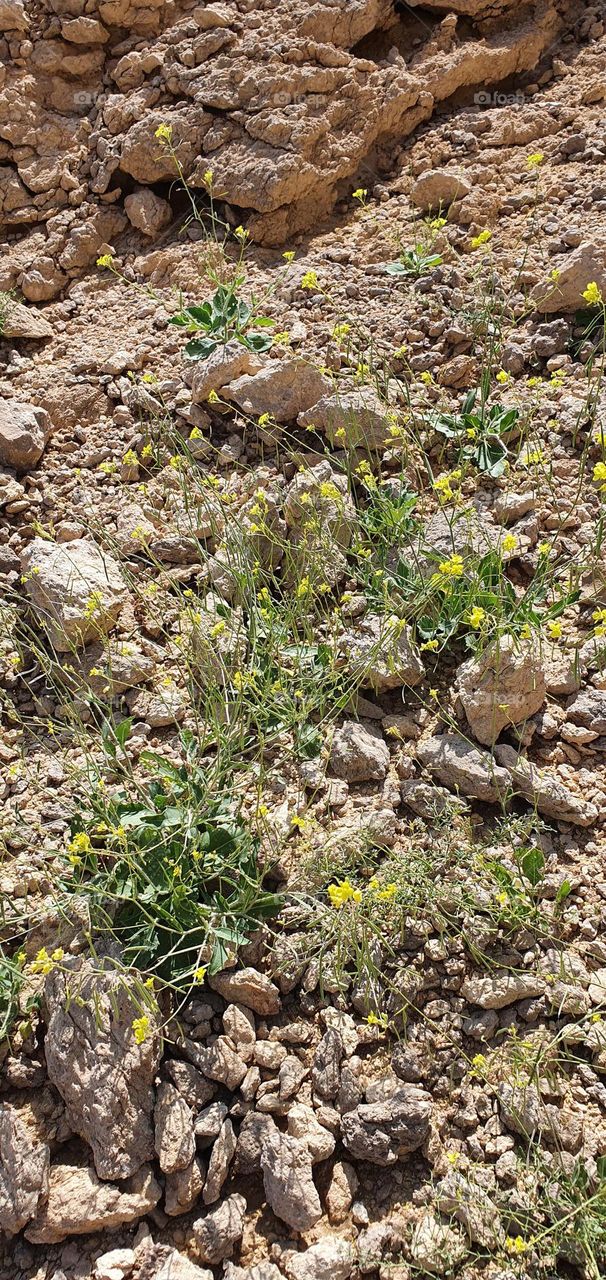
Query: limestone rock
point(283, 389)
point(464, 768)
point(162, 1262)
point(358, 753)
point(288, 1182)
point(588, 710)
point(503, 686)
point(583, 266)
point(350, 419)
point(24, 322)
point(77, 589)
point(148, 212)
point(435, 1247)
point(13, 16)
point(546, 790)
point(471, 1207)
point(182, 1188)
point(383, 1131)
point(326, 1066)
point(115, 1265)
point(219, 1230)
point(438, 188)
point(190, 1082)
point(340, 1192)
point(322, 494)
point(23, 1171)
point(248, 987)
point(218, 1061)
point(501, 989)
point(332, 1258)
point(381, 653)
point(226, 364)
point(303, 1124)
point(174, 1133)
point(78, 1203)
point(104, 1077)
point(24, 431)
point(221, 1157)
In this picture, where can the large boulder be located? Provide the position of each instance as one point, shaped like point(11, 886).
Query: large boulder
point(76, 589)
point(585, 265)
point(23, 1171)
point(283, 389)
point(79, 1203)
point(94, 1061)
point(501, 687)
point(383, 1131)
point(24, 431)
point(358, 753)
point(288, 1181)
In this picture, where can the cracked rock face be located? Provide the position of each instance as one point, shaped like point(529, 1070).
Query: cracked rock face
point(104, 1077)
point(283, 103)
point(23, 1172)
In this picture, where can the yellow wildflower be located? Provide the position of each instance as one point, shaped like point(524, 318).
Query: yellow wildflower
point(141, 1027)
point(535, 160)
point(343, 891)
point(592, 294)
point(200, 974)
point(309, 280)
point(481, 239)
point(80, 843)
point(476, 616)
point(453, 567)
point(105, 260)
point(555, 630)
point(510, 542)
point(599, 474)
point(164, 133)
point(42, 962)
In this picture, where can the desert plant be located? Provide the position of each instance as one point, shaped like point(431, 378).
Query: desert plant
point(222, 318)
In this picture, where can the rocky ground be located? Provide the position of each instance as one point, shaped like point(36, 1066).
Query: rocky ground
point(304, 615)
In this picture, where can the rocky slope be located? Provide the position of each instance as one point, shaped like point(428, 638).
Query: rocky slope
point(437, 1104)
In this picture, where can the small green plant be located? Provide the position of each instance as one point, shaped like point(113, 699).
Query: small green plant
point(170, 872)
point(223, 318)
point(481, 432)
point(414, 262)
point(11, 978)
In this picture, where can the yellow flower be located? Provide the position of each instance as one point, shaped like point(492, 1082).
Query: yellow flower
point(299, 823)
point(515, 1244)
point(80, 843)
point(341, 331)
point(241, 234)
point(164, 133)
point(42, 962)
point(386, 894)
point(476, 616)
point(555, 630)
point(343, 891)
point(377, 1020)
point(208, 178)
point(426, 377)
point(535, 160)
point(481, 239)
point(554, 275)
point(303, 589)
point(599, 474)
point(57, 955)
point(200, 974)
point(289, 255)
point(212, 397)
point(510, 542)
point(453, 567)
point(141, 1028)
point(130, 458)
point(453, 1157)
point(360, 194)
point(544, 548)
point(593, 295)
point(502, 377)
point(309, 280)
point(105, 260)
point(430, 646)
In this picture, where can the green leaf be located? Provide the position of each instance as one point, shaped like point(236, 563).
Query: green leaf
point(532, 864)
point(563, 892)
point(258, 341)
point(200, 348)
point(122, 730)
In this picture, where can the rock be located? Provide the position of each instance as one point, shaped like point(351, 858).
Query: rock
point(79, 1203)
point(326, 1066)
point(427, 800)
point(380, 653)
point(161, 1262)
point(221, 1157)
point(255, 1131)
point(303, 1124)
point(76, 588)
point(463, 767)
point(248, 987)
point(115, 1265)
point(208, 1123)
point(224, 365)
point(239, 1025)
point(24, 431)
point(330, 1259)
point(182, 1188)
point(588, 710)
point(464, 531)
point(13, 16)
point(546, 790)
point(148, 212)
point(358, 753)
point(174, 1133)
point(104, 1077)
point(496, 991)
point(585, 265)
point(218, 1061)
point(321, 494)
point(287, 1179)
point(438, 188)
point(373, 1244)
point(84, 31)
point(340, 1193)
point(121, 665)
point(350, 419)
point(283, 389)
point(457, 1195)
point(435, 1247)
point(262, 1271)
point(24, 322)
point(23, 1171)
point(192, 1085)
point(164, 705)
point(382, 1132)
point(503, 686)
point(217, 1231)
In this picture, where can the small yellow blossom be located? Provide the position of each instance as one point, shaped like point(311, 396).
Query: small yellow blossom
point(502, 377)
point(213, 397)
point(599, 474)
point(430, 646)
point(105, 260)
point(535, 160)
point(141, 1027)
point(309, 280)
point(164, 133)
point(515, 1244)
point(592, 294)
point(343, 891)
point(241, 234)
point(360, 194)
point(476, 617)
point(208, 178)
point(481, 239)
point(555, 630)
point(42, 962)
point(453, 567)
point(200, 974)
point(288, 255)
point(80, 843)
point(510, 542)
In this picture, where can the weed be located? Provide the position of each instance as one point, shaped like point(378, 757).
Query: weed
point(223, 318)
point(481, 433)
